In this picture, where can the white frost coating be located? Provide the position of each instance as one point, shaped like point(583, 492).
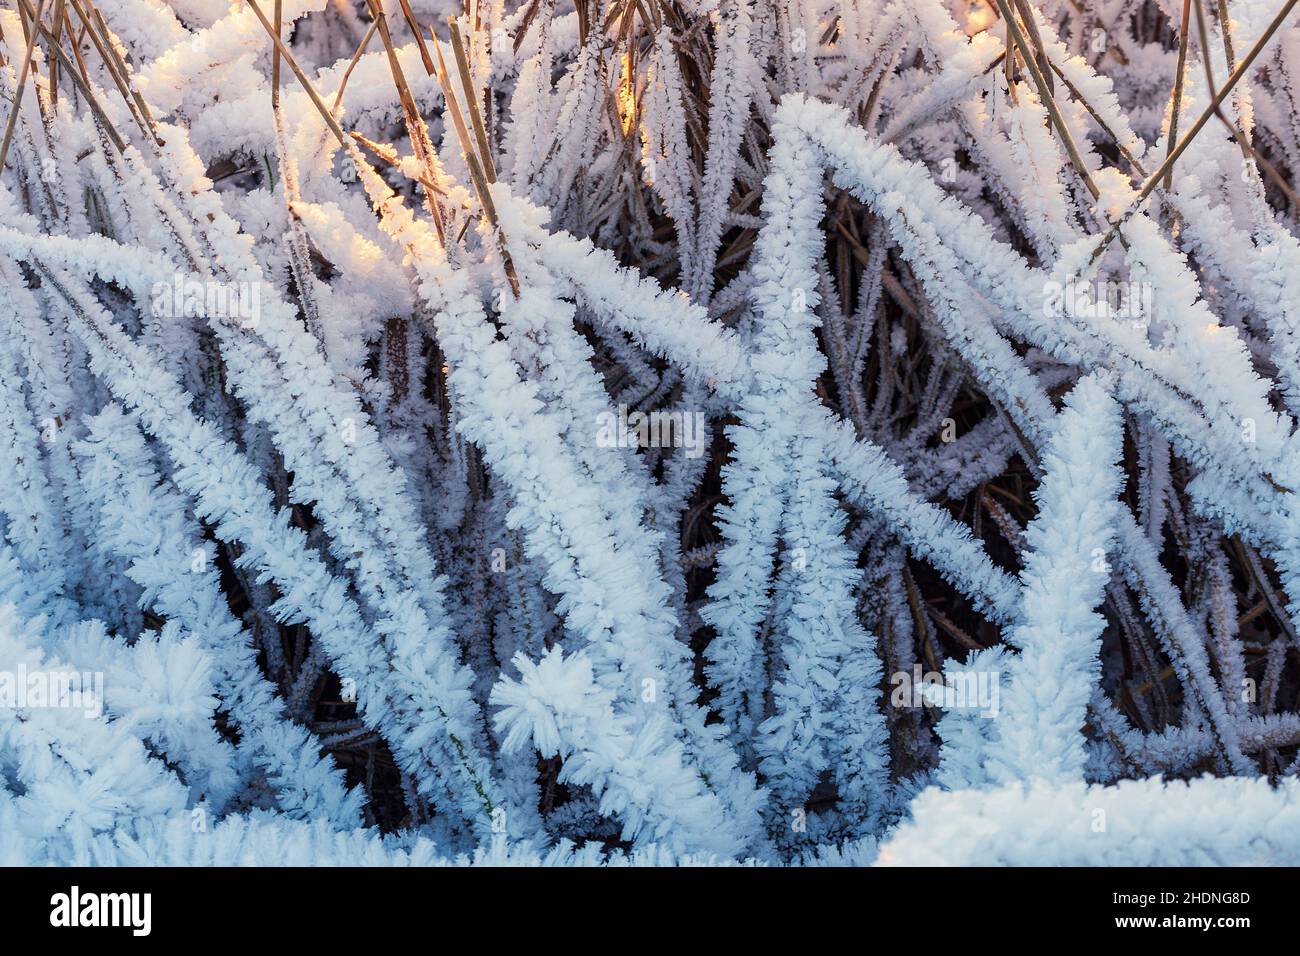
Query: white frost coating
point(1045, 703)
point(1203, 822)
point(665, 490)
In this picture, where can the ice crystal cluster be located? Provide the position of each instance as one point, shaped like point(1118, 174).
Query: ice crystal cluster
point(649, 431)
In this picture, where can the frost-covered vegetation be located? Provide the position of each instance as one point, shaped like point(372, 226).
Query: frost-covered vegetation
point(649, 431)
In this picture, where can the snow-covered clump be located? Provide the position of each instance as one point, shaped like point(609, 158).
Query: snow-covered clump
point(684, 432)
